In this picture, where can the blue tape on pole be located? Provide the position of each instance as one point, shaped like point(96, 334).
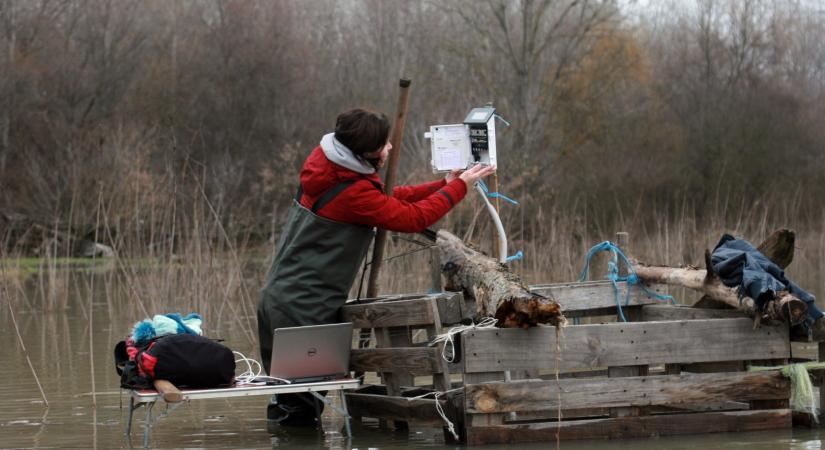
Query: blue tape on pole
point(519, 255)
point(495, 194)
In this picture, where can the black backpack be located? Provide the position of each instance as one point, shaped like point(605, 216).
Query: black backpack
point(185, 360)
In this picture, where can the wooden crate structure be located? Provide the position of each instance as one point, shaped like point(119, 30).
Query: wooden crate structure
point(671, 370)
point(623, 380)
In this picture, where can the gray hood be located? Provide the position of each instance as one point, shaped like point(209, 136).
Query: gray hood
point(341, 155)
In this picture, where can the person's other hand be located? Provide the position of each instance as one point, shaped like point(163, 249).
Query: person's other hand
point(453, 175)
point(475, 173)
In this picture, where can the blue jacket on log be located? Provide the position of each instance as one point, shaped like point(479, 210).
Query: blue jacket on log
point(738, 263)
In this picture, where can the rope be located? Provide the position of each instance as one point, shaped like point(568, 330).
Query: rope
point(613, 275)
point(252, 375)
point(440, 410)
point(802, 388)
point(449, 343)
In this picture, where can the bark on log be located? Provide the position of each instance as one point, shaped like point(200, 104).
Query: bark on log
point(497, 292)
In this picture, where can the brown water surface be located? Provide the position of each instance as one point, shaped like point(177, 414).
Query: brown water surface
point(71, 353)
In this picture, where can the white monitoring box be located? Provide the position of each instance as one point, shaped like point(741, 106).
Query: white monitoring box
point(459, 146)
point(450, 147)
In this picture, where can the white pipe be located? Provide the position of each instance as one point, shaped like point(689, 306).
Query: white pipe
point(502, 236)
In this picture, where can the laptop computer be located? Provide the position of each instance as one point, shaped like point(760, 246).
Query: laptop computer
point(311, 353)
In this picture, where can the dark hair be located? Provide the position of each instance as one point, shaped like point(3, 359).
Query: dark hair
point(362, 131)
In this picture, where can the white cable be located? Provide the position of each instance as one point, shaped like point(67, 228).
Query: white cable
point(502, 236)
point(252, 375)
point(447, 338)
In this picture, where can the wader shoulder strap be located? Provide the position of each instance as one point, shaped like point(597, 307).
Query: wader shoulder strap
point(330, 194)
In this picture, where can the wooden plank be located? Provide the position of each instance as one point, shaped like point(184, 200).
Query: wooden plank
point(652, 313)
point(685, 390)
point(398, 409)
point(593, 297)
point(632, 427)
point(411, 360)
point(405, 312)
point(603, 413)
point(388, 314)
point(622, 344)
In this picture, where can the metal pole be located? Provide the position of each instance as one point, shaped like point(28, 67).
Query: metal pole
point(395, 139)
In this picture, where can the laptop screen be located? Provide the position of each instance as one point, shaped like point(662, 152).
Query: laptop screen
point(311, 353)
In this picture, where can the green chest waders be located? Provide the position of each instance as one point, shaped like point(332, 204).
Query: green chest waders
point(313, 270)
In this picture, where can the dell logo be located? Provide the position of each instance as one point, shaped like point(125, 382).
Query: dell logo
point(312, 352)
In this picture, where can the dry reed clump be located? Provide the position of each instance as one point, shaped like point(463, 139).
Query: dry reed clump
point(178, 256)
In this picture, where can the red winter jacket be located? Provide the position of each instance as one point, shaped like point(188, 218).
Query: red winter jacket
point(410, 209)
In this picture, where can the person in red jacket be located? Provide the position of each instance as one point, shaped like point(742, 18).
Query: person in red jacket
point(330, 226)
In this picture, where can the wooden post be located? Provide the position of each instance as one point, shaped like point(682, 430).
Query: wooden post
point(435, 271)
point(395, 139)
point(441, 381)
point(632, 315)
point(623, 241)
point(383, 338)
point(391, 337)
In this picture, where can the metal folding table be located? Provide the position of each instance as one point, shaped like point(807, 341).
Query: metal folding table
point(149, 397)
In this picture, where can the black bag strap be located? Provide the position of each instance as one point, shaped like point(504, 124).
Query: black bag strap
point(330, 194)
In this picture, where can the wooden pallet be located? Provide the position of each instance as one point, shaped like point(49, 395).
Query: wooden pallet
point(650, 377)
point(623, 380)
point(399, 361)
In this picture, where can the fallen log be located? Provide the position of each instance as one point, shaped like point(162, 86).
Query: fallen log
point(497, 292)
point(778, 247)
point(784, 308)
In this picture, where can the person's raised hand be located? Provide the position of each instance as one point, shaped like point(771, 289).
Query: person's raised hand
point(453, 175)
point(475, 173)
